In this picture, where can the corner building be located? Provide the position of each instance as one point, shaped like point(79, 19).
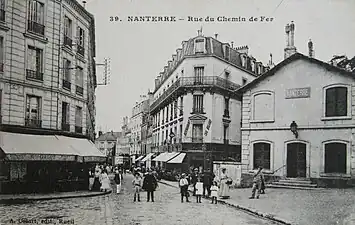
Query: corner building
point(195, 109)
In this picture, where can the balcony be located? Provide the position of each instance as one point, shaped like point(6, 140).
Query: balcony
point(66, 85)
point(35, 27)
point(65, 126)
point(2, 15)
point(226, 113)
point(68, 41)
point(78, 129)
point(79, 90)
point(33, 123)
point(197, 139)
point(80, 50)
point(34, 75)
point(197, 110)
point(191, 82)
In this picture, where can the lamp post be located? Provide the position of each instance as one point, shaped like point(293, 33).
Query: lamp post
point(293, 127)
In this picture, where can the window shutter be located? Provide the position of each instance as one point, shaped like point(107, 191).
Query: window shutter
point(341, 101)
point(330, 102)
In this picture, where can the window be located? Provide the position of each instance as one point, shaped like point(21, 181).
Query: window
point(227, 53)
point(79, 81)
point(197, 104)
point(226, 107)
point(197, 132)
point(199, 46)
point(35, 17)
point(263, 107)
point(66, 75)
point(171, 111)
point(1, 54)
point(167, 113)
point(68, 31)
point(180, 133)
point(78, 119)
point(175, 109)
point(2, 10)
point(252, 65)
point(244, 81)
point(244, 61)
point(335, 157)
point(0, 106)
point(226, 134)
point(336, 102)
point(181, 105)
point(199, 72)
point(33, 111)
point(261, 155)
point(81, 38)
point(34, 63)
point(65, 116)
point(162, 137)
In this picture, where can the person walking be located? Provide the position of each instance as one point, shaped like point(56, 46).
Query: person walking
point(118, 180)
point(91, 179)
point(105, 181)
point(199, 189)
point(193, 177)
point(97, 184)
point(150, 184)
point(214, 192)
point(137, 184)
point(257, 181)
point(184, 185)
point(207, 182)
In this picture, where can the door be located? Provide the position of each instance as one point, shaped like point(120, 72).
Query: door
point(296, 160)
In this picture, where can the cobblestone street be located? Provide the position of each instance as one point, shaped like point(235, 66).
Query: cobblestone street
point(120, 209)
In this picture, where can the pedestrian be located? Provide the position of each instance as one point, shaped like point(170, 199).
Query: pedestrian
point(105, 181)
point(118, 180)
point(97, 184)
point(91, 179)
point(214, 192)
point(257, 180)
point(207, 182)
point(184, 185)
point(137, 184)
point(150, 184)
point(225, 181)
point(199, 189)
point(194, 176)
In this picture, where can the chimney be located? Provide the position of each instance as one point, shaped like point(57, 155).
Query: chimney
point(178, 53)
point(243, 49)
point(232, 44)
point(215, 36)
point(292, 29)
point(100, 133)
point(156, 81)
point(174, 59)
point(170, 63)
point(310, 49)
point(199, 32)
point(184, 43)
point(290, 48)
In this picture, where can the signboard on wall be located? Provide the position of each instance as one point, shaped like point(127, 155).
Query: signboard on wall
point(298, 93)
point(187, 127)
point(208, 126)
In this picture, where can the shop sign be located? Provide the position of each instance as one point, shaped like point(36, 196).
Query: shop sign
point(187, 127)
point(208, 126)
point(298, 93)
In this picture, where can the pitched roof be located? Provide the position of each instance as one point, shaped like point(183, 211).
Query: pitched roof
point(290, 59)
point(109, 136)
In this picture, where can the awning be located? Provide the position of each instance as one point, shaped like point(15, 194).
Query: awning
point(28, 147)
point(85, 148)
point(139, 158)
point(165, 156)
point(147, 157)
point(177, 159)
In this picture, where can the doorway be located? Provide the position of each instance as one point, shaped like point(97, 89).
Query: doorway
point(296, 159)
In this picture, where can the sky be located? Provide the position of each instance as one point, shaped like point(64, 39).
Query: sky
point(138, 51)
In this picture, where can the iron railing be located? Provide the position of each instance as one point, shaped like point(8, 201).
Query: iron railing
point(29, 122)
point(80, 50)
point(35, 27)
point(79, 90)
point(34, 75)
point(68, 41)
point(205, 81)
point(66, 84)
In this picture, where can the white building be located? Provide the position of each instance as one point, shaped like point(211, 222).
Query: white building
point(195, 103)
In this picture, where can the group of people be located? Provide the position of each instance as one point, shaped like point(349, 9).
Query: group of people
point(99, 180)
point(144, 181)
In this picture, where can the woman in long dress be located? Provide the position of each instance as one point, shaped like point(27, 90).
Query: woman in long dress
point(105, 181)
point(224, 187)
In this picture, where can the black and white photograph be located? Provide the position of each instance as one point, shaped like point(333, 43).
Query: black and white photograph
point(165, 112)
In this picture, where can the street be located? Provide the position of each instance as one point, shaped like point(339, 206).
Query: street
point(120, 209)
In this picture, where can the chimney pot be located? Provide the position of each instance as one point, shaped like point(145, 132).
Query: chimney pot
point(215, 35)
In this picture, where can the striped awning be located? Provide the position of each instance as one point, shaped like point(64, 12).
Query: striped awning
point(147, 157)
point(177, 159)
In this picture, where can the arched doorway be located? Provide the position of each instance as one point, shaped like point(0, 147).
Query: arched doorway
point(296, 159)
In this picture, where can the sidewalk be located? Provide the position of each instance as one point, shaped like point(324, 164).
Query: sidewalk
point(292, 206)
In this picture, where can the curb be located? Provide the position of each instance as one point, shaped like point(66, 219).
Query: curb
point(244, 209)
point(46, 198)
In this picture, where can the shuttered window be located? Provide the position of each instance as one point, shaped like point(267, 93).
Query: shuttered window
point(335, 158)
point(336, 101)
point(261, 155)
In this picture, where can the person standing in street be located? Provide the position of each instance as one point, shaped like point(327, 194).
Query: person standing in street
point(194, 176)
point(207, 182)
point(199, 190)
point(137, 184)
point(224, 184)
point(214, 192)
point(150, 184)
point(184, 185)
point(257, 181)
point(105, 181)
point(118, 180)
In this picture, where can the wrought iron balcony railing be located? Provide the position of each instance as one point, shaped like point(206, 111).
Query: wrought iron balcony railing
point(205, 81)
point(29, 122)
point(197, 110)
point(226, 113)
point(35, 27)
point(34, 75)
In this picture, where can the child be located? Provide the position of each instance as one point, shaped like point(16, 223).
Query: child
point(137, 184)
point(199, 190)
point(184, 185)
point(214, 192)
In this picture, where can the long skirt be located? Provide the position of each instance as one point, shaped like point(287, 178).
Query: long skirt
point(96, 185)
point(91, 182)
point(224, 190)
point(105, 186)
point(118, 188)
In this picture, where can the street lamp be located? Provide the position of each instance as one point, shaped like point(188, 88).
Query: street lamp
point(293, 127)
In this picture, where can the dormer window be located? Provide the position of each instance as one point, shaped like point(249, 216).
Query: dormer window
point(199, 46)
point(227, 52)
point(244, 61)
point(260, 69)
point(252, 65)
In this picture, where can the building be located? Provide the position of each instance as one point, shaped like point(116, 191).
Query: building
point(47, 87)
point(107, 144)
point(298, 122)
point(194, 103)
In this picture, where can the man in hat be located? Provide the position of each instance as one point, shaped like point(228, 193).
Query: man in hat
point(194, 180)
point(150, 184)
point(257, 182)
point(184, 184)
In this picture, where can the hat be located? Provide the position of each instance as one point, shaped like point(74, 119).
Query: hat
point(183, 174)
point(196, 169)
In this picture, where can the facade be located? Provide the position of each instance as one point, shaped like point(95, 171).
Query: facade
point(47, 82)
point(194, 103)
point(107, 142)
point(314, 98)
